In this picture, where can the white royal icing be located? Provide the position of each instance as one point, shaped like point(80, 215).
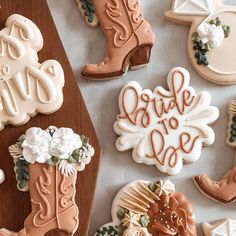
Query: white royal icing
point(225, 227)
point(26, 86)
point(2, 176)
point(64, 142)
point(193, 7)
point(212, 34)
point(165, 127)
point(36, 146)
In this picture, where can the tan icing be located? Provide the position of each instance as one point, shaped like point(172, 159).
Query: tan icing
point(138, 198)
point(225, 190)
point(221, 75)
point(53, 202)
point(26, 86)
point(125, 29)
point(222, 59)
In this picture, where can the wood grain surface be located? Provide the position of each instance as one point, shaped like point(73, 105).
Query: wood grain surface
point(15, 205)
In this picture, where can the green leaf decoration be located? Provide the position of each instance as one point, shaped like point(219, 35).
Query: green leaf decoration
point(233, 130)
point(88, 10)
point(53, 161)
point(22, 173)
point(107, 231)
point(121, 213)
point(145, 220)
point(153, 186)
point(201, 50)
point(21, 139)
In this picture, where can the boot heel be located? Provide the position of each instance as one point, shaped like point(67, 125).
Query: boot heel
point(140, 57)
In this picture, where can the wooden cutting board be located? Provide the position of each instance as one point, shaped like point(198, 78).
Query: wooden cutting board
point(15, 205)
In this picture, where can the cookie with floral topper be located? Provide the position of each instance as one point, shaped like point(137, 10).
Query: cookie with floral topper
point(46, 165)
point(211, 38)
point(165, 127)
point(146, 208)
point(27, 87)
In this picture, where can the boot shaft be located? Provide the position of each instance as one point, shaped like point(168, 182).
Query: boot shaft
point(120, 19)
point(53, 201)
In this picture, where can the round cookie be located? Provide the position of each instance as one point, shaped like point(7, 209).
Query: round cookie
point(150, 208)
point(165, 127)
point(211, 38)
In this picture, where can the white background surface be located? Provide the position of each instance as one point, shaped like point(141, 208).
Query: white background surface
point(84, 44)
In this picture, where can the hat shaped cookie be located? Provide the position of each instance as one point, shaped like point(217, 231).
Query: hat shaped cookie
point(46, 165)
point(165, 127)
point(143, 208)
point(27, 87)
point(211, 38)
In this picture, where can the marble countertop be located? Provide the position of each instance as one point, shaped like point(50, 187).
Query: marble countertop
point(84, 44)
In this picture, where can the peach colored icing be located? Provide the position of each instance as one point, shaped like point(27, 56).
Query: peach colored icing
point(222, 59)
point(223, 191)
point(172, 215)
point(53, 202)
point(26, 86)
point(125, 29)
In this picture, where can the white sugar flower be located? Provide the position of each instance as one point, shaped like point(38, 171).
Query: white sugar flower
point(212, 34)
point(64, 142)
point(85, 157)
point(136, 231)
point(36, 146)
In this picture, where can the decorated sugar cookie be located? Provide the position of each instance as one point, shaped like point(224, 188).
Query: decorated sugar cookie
point(211, 38)
point(129, 39)
point(27, 87)
point(88, 11)
point(225, 227)
point(165, 127)
point(223, 191)
point(145, 209)
point(46, 165)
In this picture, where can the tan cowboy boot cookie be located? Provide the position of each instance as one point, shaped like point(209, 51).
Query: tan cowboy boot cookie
point(46, 164)
point(129, 39)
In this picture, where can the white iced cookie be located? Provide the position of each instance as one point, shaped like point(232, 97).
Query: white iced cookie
point(165, 127)
point(2, 176)
point(211, 38)
point(225, 227)
point(27, 87)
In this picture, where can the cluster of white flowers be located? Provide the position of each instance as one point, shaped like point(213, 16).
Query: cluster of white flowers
point(39, 146)
point(212, 34)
